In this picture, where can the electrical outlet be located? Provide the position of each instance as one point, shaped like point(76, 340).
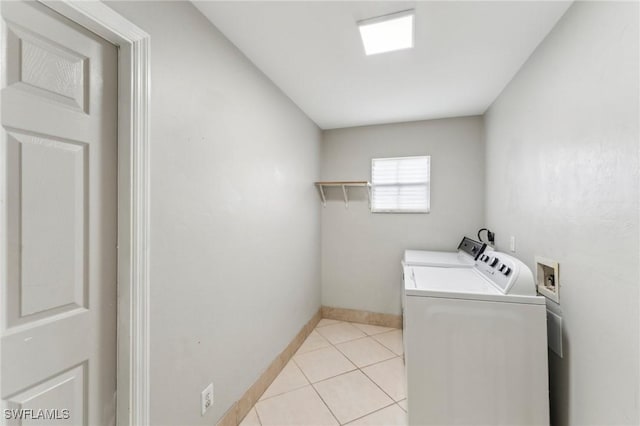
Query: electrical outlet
point(206, 398)
point(512, 244)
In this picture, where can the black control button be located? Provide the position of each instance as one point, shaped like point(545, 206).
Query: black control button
point(494, 262)
point(506, 271)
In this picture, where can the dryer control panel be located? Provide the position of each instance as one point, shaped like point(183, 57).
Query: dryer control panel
point(472, 247)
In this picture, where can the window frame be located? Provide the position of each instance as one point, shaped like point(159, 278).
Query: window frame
point(426, 184)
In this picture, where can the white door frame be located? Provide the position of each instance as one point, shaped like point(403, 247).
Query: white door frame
point(133, 200)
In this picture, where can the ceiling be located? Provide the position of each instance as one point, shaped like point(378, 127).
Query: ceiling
point(464, 55)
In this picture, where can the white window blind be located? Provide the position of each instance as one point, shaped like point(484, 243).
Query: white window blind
point(400, 184)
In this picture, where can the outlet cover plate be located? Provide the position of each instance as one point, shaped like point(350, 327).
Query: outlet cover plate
point(206, 398)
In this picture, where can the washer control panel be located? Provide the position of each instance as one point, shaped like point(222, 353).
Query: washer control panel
point(499, 268)
point(494, 261)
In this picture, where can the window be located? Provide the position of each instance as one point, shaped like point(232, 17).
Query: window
point(400, 185)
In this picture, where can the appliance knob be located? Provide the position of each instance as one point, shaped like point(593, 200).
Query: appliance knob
point(494, 262)
point(506, 271)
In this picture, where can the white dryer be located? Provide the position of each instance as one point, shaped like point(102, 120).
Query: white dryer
point(468, 251)
point(475, 344)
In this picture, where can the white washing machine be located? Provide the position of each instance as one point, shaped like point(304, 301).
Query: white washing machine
point(468, 251)
point(475, 344)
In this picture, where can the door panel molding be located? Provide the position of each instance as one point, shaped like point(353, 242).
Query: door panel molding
point(133, 199)
point(66, 389)
point(29, 298)
point(30, 52)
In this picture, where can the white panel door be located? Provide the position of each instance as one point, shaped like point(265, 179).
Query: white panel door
point(59, 181)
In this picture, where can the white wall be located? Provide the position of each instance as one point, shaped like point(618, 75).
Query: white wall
point(562, 177)
point(234, 215)
point(361, 251)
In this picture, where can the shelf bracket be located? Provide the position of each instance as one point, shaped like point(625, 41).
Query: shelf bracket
point(346, 198)
point(324, 199)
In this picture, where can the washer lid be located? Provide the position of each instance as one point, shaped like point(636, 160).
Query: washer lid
point(443, 259)
point(458, 283)
point(454, 280)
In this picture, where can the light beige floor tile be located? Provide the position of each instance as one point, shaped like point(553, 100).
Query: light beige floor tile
point(290, 378)
point(339, 333)
point(392, 340)
point(366, 351)
point(389, 416)
point(351, 395)
point(370, 330)
point(323, 363)
point(300, 407)
point(251, 419)
point(314, 341)
point(403, 404)
point(325, 321)
point(390, 376)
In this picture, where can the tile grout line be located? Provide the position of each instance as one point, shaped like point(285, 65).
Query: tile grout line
point(345, 341)
point(331, 377)
point(317, 393)
point(357, 368)
point(280, 394)
point(311, 350)
point(290, 390)
point(325, 404)
point(348, 341)
point(378, 386)
point(362, 337)
point(365, 374)
point(384, 344)
point(257, 414)
point(375, 334)
point(327, 378)
point(373, 412)
point(374, 382)
point(321, 326)
point(347, 372)
point(394, 355)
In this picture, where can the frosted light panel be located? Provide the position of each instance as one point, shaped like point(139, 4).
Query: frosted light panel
point(400, 184)
point(387, 35)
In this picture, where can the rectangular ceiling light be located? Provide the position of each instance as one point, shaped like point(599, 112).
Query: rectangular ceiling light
point(387, 33)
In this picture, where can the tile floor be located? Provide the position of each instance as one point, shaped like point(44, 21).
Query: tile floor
point(344, 373)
